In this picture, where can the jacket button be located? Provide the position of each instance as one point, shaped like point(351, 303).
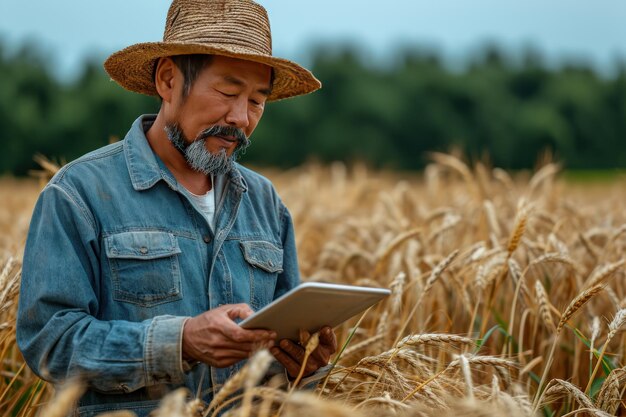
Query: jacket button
point(143, 250)
point(206, 238)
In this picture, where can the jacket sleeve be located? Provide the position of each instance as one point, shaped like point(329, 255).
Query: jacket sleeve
point(57, 331)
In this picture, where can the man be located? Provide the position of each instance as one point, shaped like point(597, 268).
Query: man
point(142, 255)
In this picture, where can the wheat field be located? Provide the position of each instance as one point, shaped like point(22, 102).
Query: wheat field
point(508, 296)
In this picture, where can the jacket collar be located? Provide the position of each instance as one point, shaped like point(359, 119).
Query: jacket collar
point(146, 168)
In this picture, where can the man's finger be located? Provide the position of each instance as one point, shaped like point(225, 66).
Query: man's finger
point(239, 311)
point(327, 346)
point(229, 344)
point(292, 367)
point(328, 338)
point(297, 353)
point(225, 354)
point(224, 362)
point(293, 350)
point(245, 346)
point(238, 335)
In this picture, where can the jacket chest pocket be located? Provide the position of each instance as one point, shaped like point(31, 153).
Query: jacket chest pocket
point(144, 267)
point(264, 262)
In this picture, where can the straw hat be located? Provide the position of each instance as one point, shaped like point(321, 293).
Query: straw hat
point(233, 28)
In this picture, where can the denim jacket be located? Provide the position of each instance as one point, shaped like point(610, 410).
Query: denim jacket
point(117, 257)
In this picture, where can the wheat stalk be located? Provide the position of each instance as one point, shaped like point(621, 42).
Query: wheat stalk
point(391, 247)
point(257, 367)
point(617, 322)
point(435, 273)
point(544, 174)
point(571, 309)
point(605, 272)
point(247, 376)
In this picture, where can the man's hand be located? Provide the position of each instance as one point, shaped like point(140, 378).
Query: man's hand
point(291, 354)
point(214, 338)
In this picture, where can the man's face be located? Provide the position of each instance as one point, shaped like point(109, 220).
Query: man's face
point(212, 124)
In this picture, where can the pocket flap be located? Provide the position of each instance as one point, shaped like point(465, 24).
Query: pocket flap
point(263, 255)
point(141, 245)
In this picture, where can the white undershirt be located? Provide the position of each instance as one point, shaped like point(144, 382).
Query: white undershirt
point(206, 204)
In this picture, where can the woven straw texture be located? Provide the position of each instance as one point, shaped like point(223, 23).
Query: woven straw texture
point(233, 28)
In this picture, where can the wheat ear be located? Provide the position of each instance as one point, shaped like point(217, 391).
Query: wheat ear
point(433, 338)
point(574, 391)
point(544, 305)
point(617, 322)
point(469, 385)
point(572, 308)
point(609, 396)
point(518, 231)
point(595, 332)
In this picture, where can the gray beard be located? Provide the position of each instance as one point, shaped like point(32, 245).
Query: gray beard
point(196, 153)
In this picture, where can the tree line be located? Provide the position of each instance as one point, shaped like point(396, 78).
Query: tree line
point(386, 114)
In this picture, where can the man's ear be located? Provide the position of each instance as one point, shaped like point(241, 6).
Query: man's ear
point(164, 78)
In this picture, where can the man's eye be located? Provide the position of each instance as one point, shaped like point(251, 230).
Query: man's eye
point(226, 94)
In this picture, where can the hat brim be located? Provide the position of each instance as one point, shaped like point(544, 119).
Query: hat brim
point(132, 67)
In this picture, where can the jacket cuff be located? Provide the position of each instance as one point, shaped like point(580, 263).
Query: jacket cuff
point(187, 365)
point(310, 382)
point(163, 350)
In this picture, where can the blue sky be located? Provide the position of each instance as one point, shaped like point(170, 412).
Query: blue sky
point(591, 31)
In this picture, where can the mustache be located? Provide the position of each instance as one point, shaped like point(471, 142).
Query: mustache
point(218, 130)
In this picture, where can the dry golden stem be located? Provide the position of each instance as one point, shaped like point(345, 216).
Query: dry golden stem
point(383, 259)
point(311, 345)
point(436, 272)
point(247, 377)
point(603, 273)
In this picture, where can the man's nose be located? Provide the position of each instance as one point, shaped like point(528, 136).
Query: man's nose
point(238, 114)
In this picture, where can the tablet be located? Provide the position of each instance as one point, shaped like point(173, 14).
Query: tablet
point(312, 306)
